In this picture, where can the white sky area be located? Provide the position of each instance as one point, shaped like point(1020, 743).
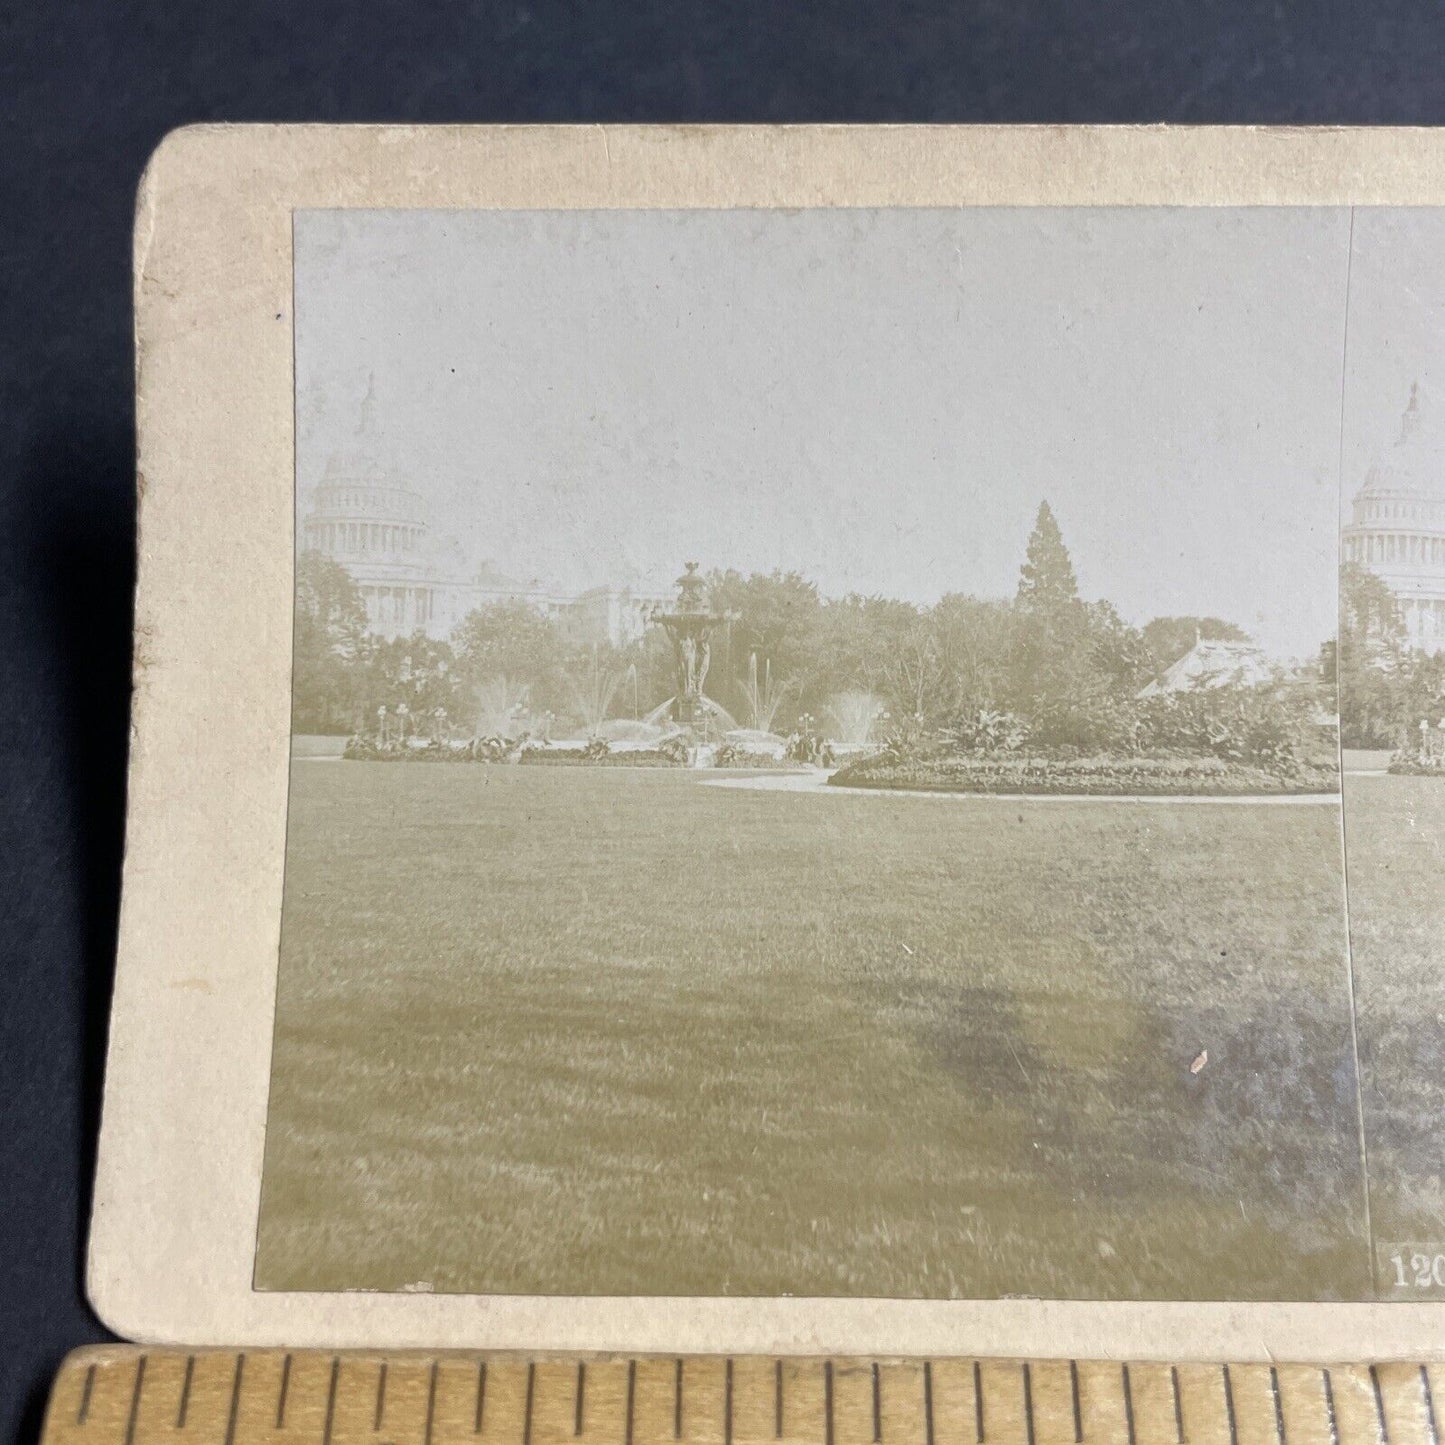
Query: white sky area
point(1397, 341)
point(878, 399)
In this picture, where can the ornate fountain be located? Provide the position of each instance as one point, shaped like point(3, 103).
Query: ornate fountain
point(690, 626)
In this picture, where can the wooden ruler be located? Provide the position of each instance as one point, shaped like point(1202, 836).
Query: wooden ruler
point(129, 1395)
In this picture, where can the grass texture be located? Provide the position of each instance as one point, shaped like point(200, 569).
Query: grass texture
point(576, 1031)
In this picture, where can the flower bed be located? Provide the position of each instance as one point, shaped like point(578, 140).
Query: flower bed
point(731, 755)
point(1080, 775)
point(1416, 765)
point(496, 750)
point(364, 750)
point(582, 758)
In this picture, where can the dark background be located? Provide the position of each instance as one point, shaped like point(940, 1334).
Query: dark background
point(87, 90)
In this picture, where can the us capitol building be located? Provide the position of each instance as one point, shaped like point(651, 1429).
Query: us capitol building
point(1397, 530)
point(412, 581)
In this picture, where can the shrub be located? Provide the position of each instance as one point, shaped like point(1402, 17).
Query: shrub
point(734, 755)
point(582, 758)
point(675, 748)
point(596, 749)
point(1262, 726)
point(985, 730)
point(909, 736)
point(491, 749)
point(1412, 763)
point(1093, 722)
point(413, 750)
point(366, 750)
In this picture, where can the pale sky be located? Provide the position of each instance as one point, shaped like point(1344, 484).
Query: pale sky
point(1397, 339)
point(877, 399)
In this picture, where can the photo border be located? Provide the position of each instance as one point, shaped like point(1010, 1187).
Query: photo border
point(174, 1225)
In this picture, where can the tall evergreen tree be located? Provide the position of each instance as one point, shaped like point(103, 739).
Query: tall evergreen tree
point(1074, 666)
point(1046, 579)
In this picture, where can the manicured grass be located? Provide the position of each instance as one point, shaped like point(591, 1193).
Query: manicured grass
point(616, 1032)
point(1396, 832)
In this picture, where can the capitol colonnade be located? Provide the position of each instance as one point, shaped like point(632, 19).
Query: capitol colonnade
point(378, 532)
point(412, 581)
point(1379, 547)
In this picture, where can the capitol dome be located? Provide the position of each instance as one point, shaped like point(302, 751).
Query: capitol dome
point(377, 529)
point(378, 532)
point(1397, 529)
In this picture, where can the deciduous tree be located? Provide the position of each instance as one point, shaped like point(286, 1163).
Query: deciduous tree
point(329, 647)
point(512, 639)
point(1370, 665)
point(1170, 638)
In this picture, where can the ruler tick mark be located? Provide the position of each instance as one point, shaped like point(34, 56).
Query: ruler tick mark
point(330, 1403)
point(140, 1379)
point(235, 1409)
point(85, 1393)
point(184, 1407)
point(285, 1389)
point(116, 1387)
point(1379, 1405)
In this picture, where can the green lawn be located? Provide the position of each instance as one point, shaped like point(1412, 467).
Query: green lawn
point(1396, 833)
point(563, 1030)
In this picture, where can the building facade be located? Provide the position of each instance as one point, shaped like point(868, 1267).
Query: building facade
point(412, 581)
point(1397, 531)
point(1211, 663)
point(378, 532)
point(618, 615)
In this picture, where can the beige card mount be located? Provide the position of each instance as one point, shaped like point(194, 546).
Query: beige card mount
point(785, 740)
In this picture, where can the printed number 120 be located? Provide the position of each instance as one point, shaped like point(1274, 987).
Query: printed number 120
point(1424, 1271)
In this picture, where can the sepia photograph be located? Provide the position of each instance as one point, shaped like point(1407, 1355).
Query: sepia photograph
point(882, 753)
point(1389, 669)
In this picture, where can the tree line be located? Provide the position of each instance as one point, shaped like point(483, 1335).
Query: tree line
point(787, 656)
